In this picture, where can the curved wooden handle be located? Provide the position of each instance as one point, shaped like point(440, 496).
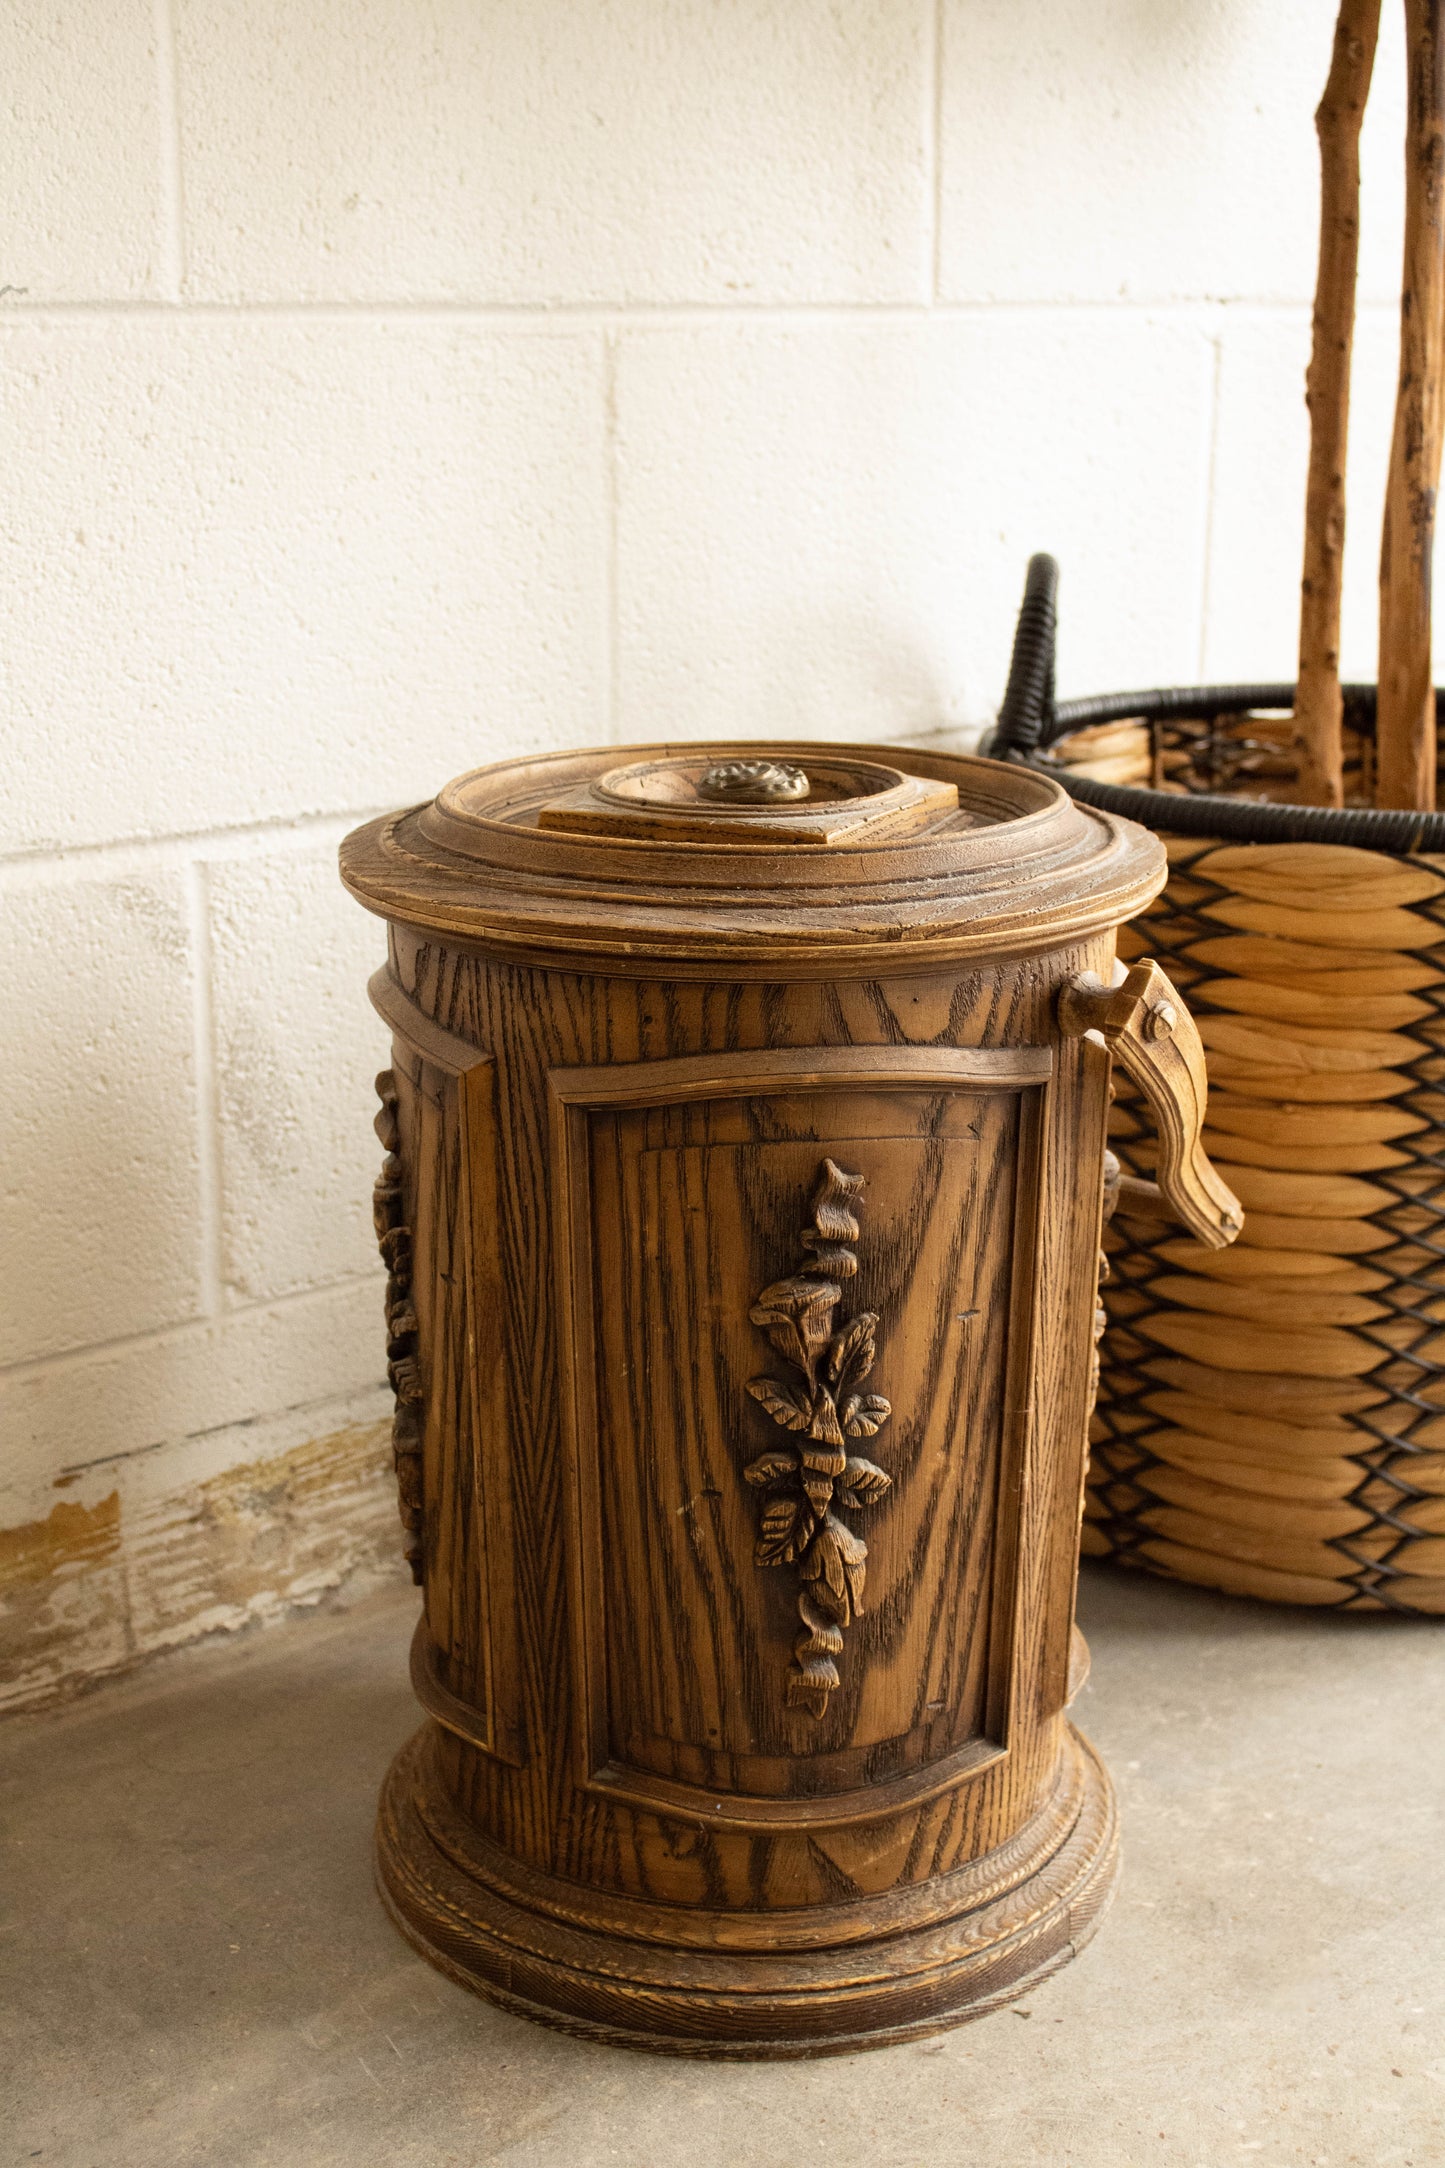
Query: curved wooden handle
point(1146, 1025)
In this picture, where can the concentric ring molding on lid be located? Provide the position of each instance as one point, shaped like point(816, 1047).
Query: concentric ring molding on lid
point(894, 877)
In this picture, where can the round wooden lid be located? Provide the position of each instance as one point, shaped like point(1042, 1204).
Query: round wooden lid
point(752, 861)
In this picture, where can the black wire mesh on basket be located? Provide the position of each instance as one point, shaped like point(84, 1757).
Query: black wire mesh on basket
point(1213, 759)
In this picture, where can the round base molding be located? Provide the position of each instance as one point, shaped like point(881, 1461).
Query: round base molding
point(824, 1980)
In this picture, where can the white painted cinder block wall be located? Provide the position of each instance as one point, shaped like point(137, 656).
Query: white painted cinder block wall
point(392, 385)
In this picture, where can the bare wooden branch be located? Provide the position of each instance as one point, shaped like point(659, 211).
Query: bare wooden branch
point(1405, 769)
point(1318, 714)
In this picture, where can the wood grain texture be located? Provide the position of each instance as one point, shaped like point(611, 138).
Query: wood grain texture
point(1147, 1027)
point(1318, 740)
point(646, 1808)
point(1405, 712)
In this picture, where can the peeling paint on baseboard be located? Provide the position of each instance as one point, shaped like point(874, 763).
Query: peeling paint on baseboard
point(70, 1535)
point(93, 1589)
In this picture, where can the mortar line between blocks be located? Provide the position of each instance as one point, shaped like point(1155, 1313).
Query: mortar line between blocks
point(178, 848)
point(187, 1328)
point(577, 316)
point(935, 154)
point(352, 1406)
point(1211, 481)
point(208, 1105)
point(172, 177)
point(612, 606)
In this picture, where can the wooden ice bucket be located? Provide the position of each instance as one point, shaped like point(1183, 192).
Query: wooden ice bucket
point(742, 1209)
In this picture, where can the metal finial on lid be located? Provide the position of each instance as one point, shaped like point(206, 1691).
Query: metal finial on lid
point(754, 782)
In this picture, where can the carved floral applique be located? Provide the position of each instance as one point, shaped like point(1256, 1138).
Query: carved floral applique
point(403, 1364)
point(807, 1486)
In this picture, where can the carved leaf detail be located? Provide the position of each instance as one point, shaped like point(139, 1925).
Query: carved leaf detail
point(403, 1365)
point(810, 1682)
point(850, 1355)
point(784, 1403)
point(798, 1523)
point(786, 1527)
point(864, 1414)
point(836, 1558)
point(795, 1298)
point(797, 1315)
point(863, 1481)
point(831, 1199)
point(824, 1638)
point(770, 1468)
point(404, 1375)
point(823, 1423)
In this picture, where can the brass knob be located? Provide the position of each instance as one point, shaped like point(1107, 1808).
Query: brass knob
point(754, 782)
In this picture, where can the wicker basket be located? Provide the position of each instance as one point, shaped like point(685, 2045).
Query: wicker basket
point(1271, 1417)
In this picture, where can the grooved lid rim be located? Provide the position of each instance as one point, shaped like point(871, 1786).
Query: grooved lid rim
point(1018, 865)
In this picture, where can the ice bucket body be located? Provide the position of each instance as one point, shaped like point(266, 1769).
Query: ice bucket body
point(742, 1210)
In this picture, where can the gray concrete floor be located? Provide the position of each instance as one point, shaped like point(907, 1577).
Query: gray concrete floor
point(197, 1971)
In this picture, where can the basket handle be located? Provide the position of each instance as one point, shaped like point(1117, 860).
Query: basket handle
point(1025, 721)
point(1147, 1027)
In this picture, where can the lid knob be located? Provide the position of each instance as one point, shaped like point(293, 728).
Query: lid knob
point(754, 782)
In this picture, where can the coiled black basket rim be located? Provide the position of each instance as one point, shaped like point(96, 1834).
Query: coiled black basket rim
point(1030, 720)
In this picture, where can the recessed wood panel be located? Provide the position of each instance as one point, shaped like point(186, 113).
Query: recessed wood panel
point(693, 1210)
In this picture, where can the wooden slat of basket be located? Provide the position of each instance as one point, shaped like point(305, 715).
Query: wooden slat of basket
point(1305, 874)
point(1298, 1350)
point(1350, 992)
point(1387, 930)
point(1245, 1079)
point(1304, 1158)
point(1427, 1514)
point(1325, 1352)
point(1424, 1219)
point(1265, 1305)
point(1305, 1196)
point(1430, 1433)
point(1272, 1549)
point(1423, 1556)
point(1422, 1593)
point(1282, 1269)
point(1313, 1032)
point(1324, 1126)
point(1426, 1471)
point(1135, 768)
point(1185, 891)
point(1306, 1004)
point(1316, 1481)
point(1186, 1562)
point(1305, 1399)
point(1326, 1499)
point(1332, 1237)
point(1103, 741)
point(1283, 1047)
point(1252, 1511)
point(1307, 963)
point(1318, 1438)
point(1403, 1376)
point(1183, 850)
